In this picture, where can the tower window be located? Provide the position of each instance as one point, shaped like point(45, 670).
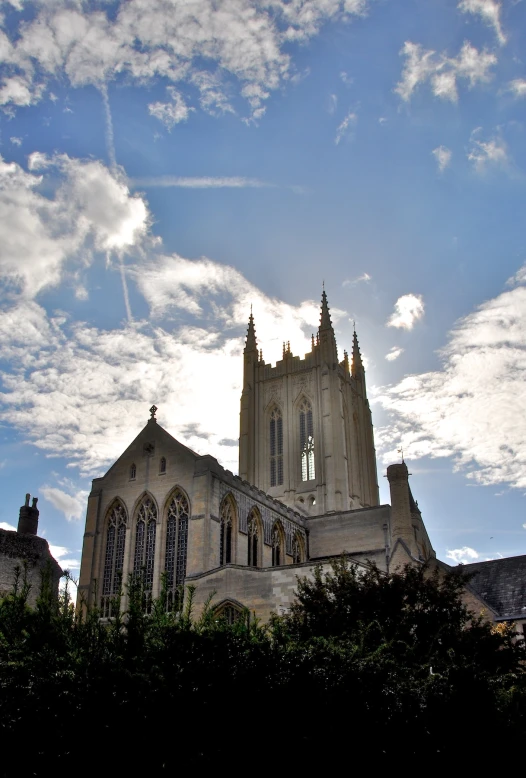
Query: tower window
point(133, 472)
point(276, 448)
point(144, 557)
point(162, 465)
point(176, 548)
point(225, 540)
point(113, 559)
point(307, 441)
point(253, 540)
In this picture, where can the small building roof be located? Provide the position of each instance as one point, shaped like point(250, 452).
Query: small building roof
point(502, 583)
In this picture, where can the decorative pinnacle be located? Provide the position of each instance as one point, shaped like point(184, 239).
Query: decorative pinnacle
point(325, 319)
point(153, 411)
point(357, 364)
point(251, 342)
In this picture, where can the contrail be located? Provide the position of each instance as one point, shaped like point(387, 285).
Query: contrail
point(110, 140)
point(125, 290)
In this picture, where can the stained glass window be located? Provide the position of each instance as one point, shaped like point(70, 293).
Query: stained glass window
point(276, 448)
point(307, 441)
point(253, 540)
point(113, 558)
point(226, 516)
point(176, 547)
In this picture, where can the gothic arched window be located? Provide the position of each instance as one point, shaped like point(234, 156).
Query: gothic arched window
point(297, 550)
point(253, 540)
point(307, 441)
point(144, 556)
point(162, 465)
point(133, 472)
point(276, 448)
point(227, 516)
point(176, 546)
point(277, 546)
point(113, 558)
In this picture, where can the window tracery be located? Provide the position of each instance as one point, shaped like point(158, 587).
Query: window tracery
point(113, 558)
point(144, 556)
point(276, 447)
point(176, 547)
point(253, 540)
point(231, 613)
point(277, 546)
point(307, 441)
point(227, 517)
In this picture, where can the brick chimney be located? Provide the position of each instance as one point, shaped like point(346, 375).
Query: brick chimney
point(28, 518)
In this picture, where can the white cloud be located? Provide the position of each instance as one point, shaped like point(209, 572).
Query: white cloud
point(394, 353)
point(15, 140)
point(443, 72)
point(171, 113)
point(489, 10)
point(60, 553)
point(346, 78)
point(518, 87)
point(345, 126)
point(474, 407)
point(408, 309)
point(82, 393)
point(463, 555)
point(363, 278)
point(443, 157)
point(524, 526)
point(490, 153)
point(88, 208)
point(243, 41)
point(73, 506)
point(6, 525)
point(200, 182)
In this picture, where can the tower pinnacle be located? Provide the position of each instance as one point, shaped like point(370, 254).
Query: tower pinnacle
point(357, 364)
point(325, 319)
point(251, 343)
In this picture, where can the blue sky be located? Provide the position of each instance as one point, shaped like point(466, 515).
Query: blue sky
point(165, 165)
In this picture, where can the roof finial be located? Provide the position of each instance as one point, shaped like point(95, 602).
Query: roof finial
point(153, 411)
point(325, 319)
point(401, 451)
point(251, 343)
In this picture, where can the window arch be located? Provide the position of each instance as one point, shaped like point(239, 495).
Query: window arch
point(298, 554)
point(254, 539)
point(227, 516)
point(307, 441)
point(178, 513)
point(276, 447)
point(113, 557)
point(162, 465)
point(278, 557)
point(144, 554)
point(230, 611)
point(133, 472)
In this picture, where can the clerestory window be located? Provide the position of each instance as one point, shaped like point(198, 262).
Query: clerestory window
point(307, 441)
point(227, 516)
point(276, 448)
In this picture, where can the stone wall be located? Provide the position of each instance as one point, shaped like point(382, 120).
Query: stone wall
point(17, 548)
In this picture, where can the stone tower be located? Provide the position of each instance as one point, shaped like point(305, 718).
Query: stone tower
point(306, 434)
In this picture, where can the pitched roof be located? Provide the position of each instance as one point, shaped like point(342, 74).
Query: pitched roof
point(502, 583)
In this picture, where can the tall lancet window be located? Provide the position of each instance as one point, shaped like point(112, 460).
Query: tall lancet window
point(144, 556)
point(176, 548)
point(227, 516)
point(277, 546)
point(276, 448)
point(307, 441)
point(253, 540)
point(113, 558)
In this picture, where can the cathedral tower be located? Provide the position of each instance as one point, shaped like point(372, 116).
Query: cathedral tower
point(306, 435)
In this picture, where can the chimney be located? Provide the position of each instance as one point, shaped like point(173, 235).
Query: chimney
point(401, 519)
point(28, 518)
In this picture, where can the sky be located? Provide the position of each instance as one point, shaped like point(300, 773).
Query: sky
point(165, 165)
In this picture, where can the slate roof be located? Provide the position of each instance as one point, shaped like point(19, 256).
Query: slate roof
point(502, 583)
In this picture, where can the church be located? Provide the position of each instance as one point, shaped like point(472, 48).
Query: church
point(307, 492)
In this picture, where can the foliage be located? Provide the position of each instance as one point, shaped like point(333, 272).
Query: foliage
point(364, 665)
